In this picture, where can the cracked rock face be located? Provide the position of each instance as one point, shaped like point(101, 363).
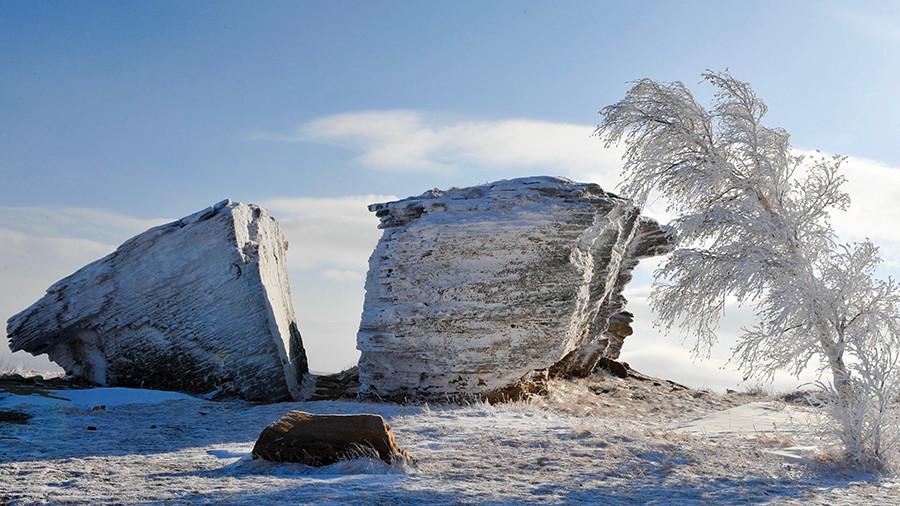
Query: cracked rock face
point(199, 305)
point(471, 290)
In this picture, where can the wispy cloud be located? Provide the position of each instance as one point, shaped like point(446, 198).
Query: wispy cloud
point(879, 27)
point(75, 222)
point(670, 361)
point(414, 141)
point(874, 211)
point(420, 141)
point(331, 236)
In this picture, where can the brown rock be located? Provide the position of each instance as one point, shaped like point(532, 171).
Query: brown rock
point(533, 384)
point(320, 440)
point(618, 369)
point(620, 324)
point(342, 385)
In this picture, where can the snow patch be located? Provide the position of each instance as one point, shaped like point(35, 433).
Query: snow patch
point(752, 419)
point(89, 398)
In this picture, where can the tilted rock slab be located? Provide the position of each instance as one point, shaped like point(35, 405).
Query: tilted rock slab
point(471, 290)
point(200, 305)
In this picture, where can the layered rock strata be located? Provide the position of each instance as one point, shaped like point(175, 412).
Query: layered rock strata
point(472, 290)
point(340, 385)
point(200, 305)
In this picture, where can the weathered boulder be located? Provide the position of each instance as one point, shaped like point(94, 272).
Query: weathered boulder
point(472, 290)
point(320, 440)
point(200, 305)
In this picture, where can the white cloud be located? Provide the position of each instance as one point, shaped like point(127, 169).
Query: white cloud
point(330, 243)
point(874, 212)
point(670, 361)
point(401, 141)
point(414, 140)
point(420, 141)
point(331, 235)
point(343, 275)
point(75, 222)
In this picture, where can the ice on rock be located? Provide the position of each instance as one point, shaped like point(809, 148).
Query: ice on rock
point(200, 305)
point(471, 290)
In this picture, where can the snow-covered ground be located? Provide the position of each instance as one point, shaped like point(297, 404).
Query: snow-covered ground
point(607, 441)
point(89, 398)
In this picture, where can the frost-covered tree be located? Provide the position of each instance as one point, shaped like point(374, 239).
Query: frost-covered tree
point(752, 226)
point(864, 395)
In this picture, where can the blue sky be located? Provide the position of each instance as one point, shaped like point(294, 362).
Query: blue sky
point(114, 115)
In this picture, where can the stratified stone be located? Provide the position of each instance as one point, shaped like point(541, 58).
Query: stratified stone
point(472, 290)
point(341, 385)
point(321, 440)
point(199, 305)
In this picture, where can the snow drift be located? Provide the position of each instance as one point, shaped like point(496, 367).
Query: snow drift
point(470, 290)
point(200, 305)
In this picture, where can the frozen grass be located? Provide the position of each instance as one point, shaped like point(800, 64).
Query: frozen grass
point(575, 447)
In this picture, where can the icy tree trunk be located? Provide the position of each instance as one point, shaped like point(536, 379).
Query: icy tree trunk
point(200, 305)
point(471, 290)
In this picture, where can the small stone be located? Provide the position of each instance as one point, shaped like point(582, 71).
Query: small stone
point(321, 440)
point(617, 369)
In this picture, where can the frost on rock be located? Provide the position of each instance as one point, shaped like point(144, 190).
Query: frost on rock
point(200, 305)
point(473, 290)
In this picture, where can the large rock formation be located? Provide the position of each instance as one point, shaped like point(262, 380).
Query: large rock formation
point(471, 290)
point(321, 440)
point(201, 305)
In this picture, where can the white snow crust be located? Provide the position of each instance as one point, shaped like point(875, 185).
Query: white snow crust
point(89, 398)
point(552, 451)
